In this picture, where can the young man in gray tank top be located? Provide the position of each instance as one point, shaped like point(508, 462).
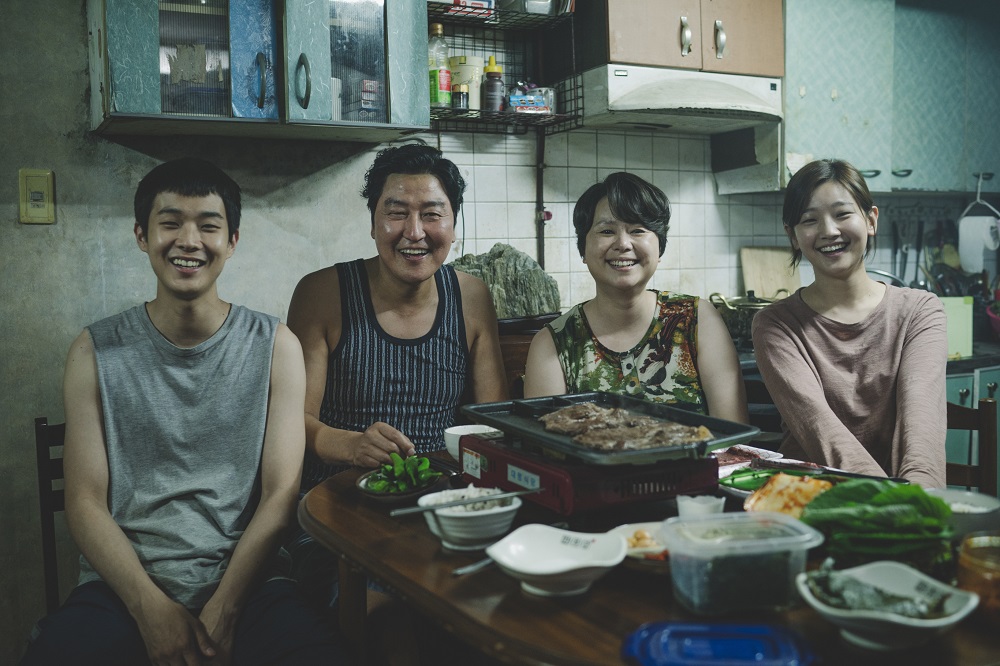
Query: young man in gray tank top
point(183, 454)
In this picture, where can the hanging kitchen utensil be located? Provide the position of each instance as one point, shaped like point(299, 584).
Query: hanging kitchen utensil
point(916, 257)
point(895, 245)
point(766, 271)
point(977, 233)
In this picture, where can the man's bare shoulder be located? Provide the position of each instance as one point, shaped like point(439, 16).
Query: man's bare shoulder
point(473, 288)
point(322, 280)
point(316, 299)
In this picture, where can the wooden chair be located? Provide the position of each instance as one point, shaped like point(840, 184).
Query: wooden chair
point(515, 355)
point(763, 413)
point(48, 449)
point(984, 421)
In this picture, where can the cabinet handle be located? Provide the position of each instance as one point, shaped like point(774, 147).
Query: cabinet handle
point(991, 388)
point(901, 173)
point(304, 64)
point(685, 36)
point(720, 40)
point(870, 173)
point(962, 395)
point(262, 79)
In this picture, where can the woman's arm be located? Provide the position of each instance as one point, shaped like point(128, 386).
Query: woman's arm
point(798, 394)
point(542, 373)
point(719, 367)
point(921, 414)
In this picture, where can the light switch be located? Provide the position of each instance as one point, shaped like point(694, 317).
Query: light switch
point(36, 196)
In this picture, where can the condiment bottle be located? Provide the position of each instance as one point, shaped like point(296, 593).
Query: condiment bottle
point(493, 89)
point(460, 96)
point(437, 63)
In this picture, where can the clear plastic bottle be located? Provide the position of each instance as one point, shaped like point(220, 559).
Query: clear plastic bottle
point(493, 90)
point(437, 64)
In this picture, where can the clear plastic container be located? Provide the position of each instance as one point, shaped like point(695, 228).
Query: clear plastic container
point(736, 562)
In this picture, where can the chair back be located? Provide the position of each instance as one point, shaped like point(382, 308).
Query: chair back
point(48, 449)
point(763, 413)
point(983, 420)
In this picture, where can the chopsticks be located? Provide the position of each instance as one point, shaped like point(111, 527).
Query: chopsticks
point(460, 502)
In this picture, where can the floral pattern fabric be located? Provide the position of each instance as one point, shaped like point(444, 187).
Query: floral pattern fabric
point(661, 368)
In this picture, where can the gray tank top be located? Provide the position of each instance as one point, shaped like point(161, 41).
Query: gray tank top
point(184, 430)
point(413, 385)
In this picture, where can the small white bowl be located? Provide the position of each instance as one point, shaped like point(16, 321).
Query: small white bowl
point(461, 528)
point(883, 630)
point(965, 522)
point(453, 434)
point(551, 562)
point(699, 505)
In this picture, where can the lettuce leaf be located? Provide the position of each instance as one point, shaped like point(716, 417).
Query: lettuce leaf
point(881, 519)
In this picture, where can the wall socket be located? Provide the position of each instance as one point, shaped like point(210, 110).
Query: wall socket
point(36, 190)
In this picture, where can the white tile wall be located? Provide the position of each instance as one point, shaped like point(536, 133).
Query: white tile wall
point(706, 230)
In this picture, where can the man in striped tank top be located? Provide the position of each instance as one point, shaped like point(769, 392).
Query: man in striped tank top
point(393, 345)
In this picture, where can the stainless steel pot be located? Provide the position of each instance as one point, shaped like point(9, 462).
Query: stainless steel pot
point(738, 312)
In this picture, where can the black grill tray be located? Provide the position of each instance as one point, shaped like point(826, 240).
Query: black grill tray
point(519, 419)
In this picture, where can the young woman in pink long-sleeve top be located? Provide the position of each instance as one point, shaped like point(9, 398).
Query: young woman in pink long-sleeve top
point(856, 367)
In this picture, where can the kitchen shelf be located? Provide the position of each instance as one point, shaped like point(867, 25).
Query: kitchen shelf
point(496, 19)
point(515, 39)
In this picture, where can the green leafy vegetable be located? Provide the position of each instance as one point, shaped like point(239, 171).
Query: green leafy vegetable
point(402, 475)
point(867, 519)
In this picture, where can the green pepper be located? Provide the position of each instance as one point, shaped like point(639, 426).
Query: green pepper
point(397, 465)
point(423, 463)
point(411, 468)
point(378, 485)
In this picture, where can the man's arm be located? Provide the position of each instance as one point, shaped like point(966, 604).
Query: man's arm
point(486, 360)
point(168, 630)
point(281, 469)
point(719, 367)
point(543, 375)
point(314, 316)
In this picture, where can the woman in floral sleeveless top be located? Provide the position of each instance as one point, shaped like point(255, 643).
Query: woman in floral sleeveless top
point(629, 339)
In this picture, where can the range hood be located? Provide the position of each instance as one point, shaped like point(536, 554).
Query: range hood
point(676, 100)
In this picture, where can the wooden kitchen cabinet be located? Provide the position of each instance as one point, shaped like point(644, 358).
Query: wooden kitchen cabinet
point(214, 68)
point(731, 36)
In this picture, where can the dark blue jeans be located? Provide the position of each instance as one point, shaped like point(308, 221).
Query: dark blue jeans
point(94, 627)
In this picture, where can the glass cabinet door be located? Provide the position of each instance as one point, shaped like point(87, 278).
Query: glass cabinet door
point(204, 58)
point(356, 61)
point(194, 57)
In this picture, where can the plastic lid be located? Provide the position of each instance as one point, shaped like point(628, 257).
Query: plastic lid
point(437, 29)
point(738, 533)
point(492, 66)
point(698, 644)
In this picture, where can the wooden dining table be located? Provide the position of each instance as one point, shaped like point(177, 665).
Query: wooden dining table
point(488, 610)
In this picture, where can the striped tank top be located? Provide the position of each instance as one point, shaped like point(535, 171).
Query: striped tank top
point(415, 385)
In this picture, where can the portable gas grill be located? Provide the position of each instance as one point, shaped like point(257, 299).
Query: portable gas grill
point(576, 478)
